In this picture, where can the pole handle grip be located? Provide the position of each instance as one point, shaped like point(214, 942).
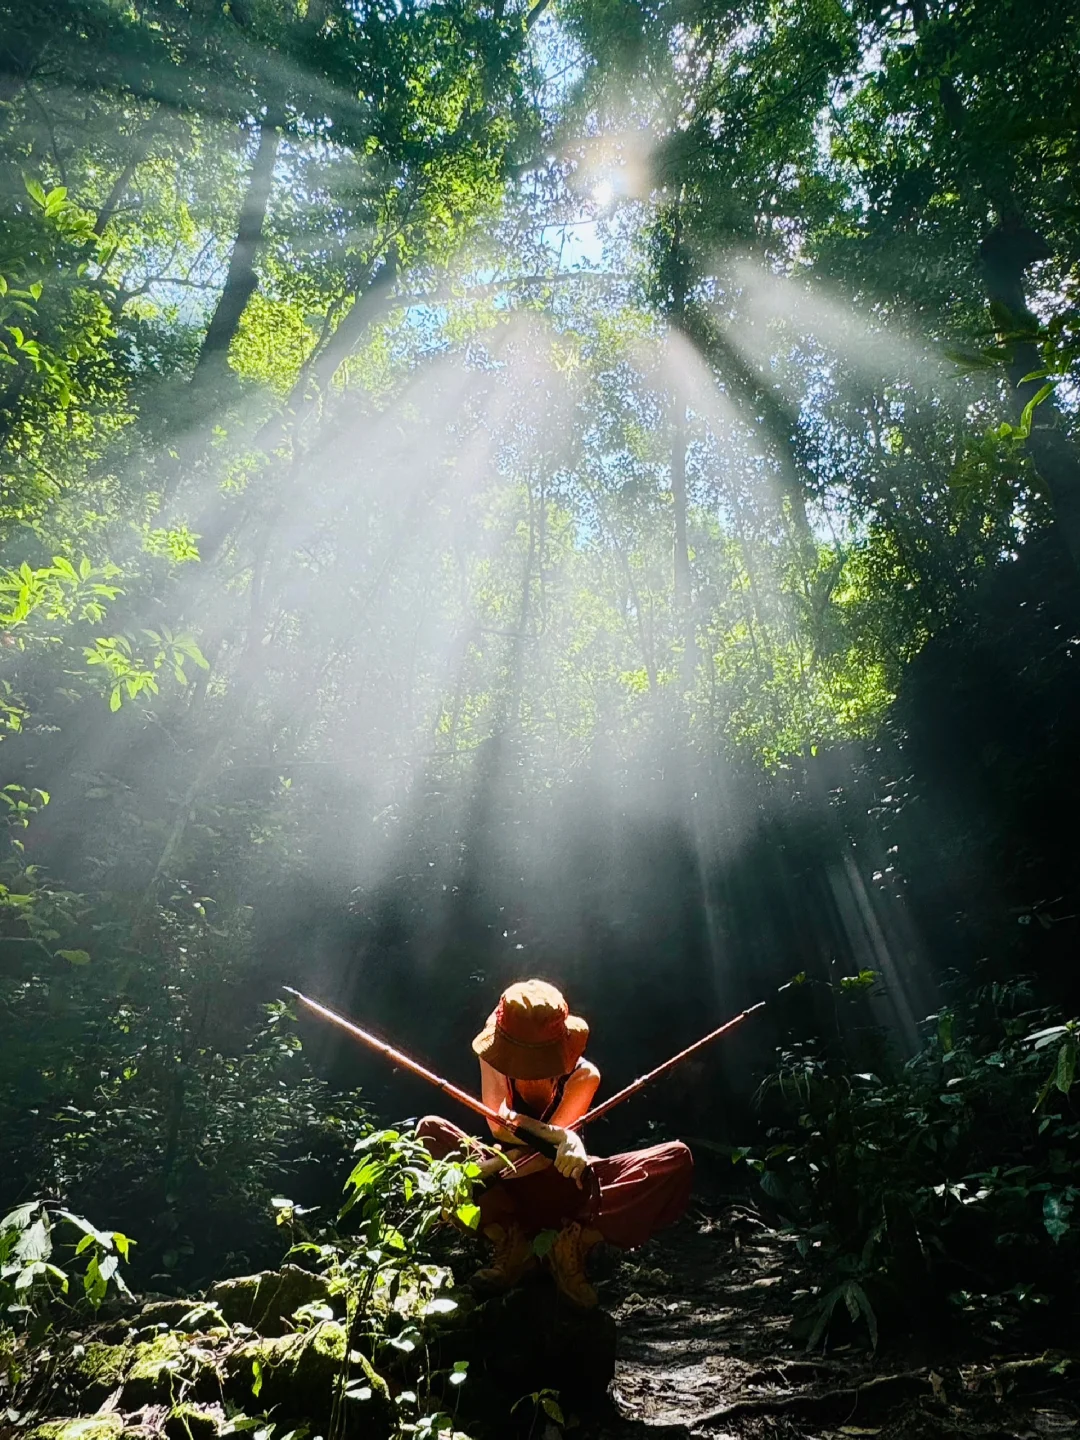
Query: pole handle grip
point(527, 1138)
point(534, 1142)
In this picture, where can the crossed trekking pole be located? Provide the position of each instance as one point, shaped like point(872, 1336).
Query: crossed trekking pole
point(507, 1121)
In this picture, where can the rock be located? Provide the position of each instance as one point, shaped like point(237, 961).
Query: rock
point(302, 1375)
point(267, 1300)
point(532, 1339)
point(156, 1366)
point(189, 1315)
point(90, 1427)
point(97, 1369)
point(193, 1422)
point(143, 1371)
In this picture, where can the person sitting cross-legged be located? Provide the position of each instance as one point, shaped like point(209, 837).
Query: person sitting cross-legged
point(533, 1071)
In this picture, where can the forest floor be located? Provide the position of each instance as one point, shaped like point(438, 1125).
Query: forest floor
point(706, 1349)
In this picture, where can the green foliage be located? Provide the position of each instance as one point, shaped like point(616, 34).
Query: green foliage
point(129, 1082)
point(543, 1402)
point(951, 1182)
point(32, 1284)
point(394, 1300)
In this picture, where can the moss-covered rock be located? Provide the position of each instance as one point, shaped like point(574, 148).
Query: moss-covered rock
point(88, 1427)
point(156, 1366)
point(186, 1315)
point(96, 1369)
point(267, 1300)
point(304, 1375)
point(193, 1422)
point(144, 1371)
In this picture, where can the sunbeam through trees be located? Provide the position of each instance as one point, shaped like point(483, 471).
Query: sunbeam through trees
point(495, 492)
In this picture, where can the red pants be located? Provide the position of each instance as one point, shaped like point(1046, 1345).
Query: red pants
point(635, 1194)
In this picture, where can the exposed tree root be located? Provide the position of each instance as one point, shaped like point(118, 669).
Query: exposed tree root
point(825, 1404)
point(884, 1391)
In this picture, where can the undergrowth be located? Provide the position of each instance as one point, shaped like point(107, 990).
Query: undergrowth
point(943, 1187)
point(366, 1342)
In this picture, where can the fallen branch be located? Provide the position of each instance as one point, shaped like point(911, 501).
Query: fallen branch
point(845, 1400)
point(887, 1389)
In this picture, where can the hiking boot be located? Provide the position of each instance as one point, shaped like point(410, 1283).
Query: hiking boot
point(567, 1261)
point(513, 1257)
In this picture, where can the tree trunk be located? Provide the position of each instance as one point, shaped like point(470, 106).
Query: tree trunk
point(140, 151)
point(368, 305)
point(241, 280)
point(684, 620)
point(681, 557)
point(240, 284)
point(1006, 254)
point(756, 396)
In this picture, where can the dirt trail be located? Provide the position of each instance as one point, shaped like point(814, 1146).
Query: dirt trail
point(705, 1350)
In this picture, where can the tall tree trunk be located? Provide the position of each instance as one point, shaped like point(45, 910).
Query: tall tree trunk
point(240, 284)
point(368, 305)
point(1006, 254)
point(681, 540)
point(214, 524)
point(241, 280)
point(763, 404)
point(140, 151)
point(684, 620)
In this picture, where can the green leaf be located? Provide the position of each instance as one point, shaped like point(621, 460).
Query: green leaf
point(35, 1243)
point(91, 1234)
point(945, 1031)
point(74, 957)
point(1065, 1070)
point(1029, 409)
point(551, 1409)
point(868, 1313)
point(469, 1216)
point(1056, 1212)
point(1043, 1037)
point(95, 1283)
point(257, 1377)
point(20, 1218)
point(443, 1305)
point(862, 981)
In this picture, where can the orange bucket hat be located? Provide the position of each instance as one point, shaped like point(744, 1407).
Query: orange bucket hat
point(531, 1035)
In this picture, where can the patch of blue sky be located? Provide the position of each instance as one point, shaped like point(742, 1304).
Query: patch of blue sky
point(576, 245)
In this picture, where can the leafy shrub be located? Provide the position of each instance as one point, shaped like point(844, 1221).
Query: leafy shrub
point(948, 1183)
point(378, 1266)
point(135, 1091)
point(35, 1289)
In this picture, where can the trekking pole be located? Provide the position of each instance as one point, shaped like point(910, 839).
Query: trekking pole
point(620, 1095)
point(398, 1057)
point(406, 1062)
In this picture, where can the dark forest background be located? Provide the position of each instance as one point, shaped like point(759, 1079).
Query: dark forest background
point(588, 490)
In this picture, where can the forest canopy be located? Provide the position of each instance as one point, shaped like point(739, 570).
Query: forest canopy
point(585, 487)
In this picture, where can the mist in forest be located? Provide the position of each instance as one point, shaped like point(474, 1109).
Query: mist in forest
point(490, 494)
